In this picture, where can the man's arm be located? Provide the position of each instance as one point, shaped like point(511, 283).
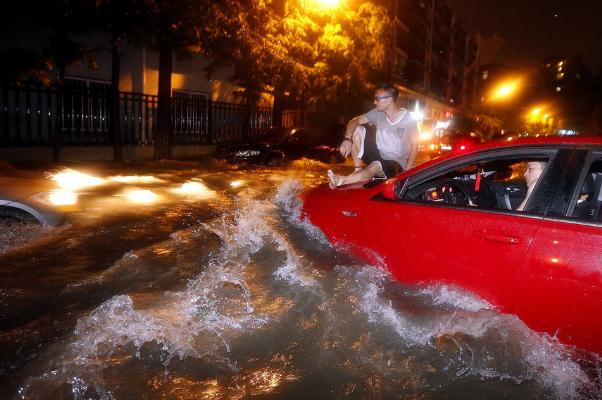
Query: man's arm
point(414, 147)
point(354, 123)
point(412, 157)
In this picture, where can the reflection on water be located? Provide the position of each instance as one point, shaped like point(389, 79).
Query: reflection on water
point(234, 296)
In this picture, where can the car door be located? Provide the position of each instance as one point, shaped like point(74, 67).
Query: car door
point(480, 249)
point(560, 290)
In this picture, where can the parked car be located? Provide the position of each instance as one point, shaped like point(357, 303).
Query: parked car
point(34, 200)
point(275, 146)
point(454, 220)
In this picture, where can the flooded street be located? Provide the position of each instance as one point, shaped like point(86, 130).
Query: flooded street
point(224, 291)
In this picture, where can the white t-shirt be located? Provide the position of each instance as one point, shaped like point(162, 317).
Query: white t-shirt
point(394, 139)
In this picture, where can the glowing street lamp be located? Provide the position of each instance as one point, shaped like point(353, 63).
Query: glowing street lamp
point(323, 5)
point(327, 3)
point(505, 90)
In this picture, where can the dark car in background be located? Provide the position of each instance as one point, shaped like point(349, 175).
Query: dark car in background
point(276, 146)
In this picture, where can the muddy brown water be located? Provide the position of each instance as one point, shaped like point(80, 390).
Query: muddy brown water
point(229, 294)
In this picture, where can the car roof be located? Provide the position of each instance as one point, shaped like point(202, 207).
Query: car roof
point(547, 141)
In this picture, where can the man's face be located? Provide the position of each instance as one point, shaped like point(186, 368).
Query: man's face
point(382, 99)
point(533, 172)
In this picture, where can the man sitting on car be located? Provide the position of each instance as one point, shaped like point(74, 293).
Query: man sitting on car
point(387, 150)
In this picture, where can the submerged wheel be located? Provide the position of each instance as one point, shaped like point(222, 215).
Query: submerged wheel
point(11, 214)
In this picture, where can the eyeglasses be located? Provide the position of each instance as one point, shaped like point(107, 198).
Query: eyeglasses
point(379, 98)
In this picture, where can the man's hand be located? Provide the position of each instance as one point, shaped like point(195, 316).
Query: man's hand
point(345, 148)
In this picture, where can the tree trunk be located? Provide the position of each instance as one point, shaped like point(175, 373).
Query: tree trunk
point(115, 111)
point(163, 134)
point(278, 106)
point(60, 113)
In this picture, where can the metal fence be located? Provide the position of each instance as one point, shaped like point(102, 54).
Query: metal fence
point(37, 115)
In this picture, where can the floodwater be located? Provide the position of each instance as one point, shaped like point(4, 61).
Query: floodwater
point(226, 293)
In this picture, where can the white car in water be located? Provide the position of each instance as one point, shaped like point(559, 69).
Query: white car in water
point(34, 200)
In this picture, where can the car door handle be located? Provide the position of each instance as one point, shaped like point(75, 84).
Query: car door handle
point(497, 237)
point(351, 214)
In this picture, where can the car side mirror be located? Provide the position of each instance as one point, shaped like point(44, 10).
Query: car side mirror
point(393, 188)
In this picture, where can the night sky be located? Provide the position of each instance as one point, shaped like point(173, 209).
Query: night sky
point(530, 30)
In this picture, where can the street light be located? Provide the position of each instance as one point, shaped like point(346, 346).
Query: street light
point(327, 3)
point(505, 90)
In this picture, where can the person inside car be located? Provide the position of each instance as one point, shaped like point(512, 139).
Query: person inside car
point(386, 150)
point(532, 174)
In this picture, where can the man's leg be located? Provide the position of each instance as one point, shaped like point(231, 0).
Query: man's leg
point(363, 175)
point(358, 145)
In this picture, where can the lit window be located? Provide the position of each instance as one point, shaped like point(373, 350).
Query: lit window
point(485, 75)
point(559, 75)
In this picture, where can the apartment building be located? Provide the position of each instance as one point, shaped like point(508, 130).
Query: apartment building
point(435, 59)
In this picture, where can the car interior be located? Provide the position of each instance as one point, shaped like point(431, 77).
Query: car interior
point(589, 201)
point(496, 184)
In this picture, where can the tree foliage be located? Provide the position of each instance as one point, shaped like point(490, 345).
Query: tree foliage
point(318, 56)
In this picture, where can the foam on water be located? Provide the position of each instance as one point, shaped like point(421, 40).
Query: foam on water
point(484, 343)
point(287, 197)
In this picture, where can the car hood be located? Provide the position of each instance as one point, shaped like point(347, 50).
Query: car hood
point(13, 189)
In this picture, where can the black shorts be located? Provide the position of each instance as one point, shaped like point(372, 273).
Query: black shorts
point(371, 154)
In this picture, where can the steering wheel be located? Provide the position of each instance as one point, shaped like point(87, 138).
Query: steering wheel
point(454, 192)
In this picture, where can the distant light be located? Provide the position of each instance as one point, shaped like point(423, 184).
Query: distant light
point(442, 124)
point(558, 88)
point(71, 179)
point(133, 179)
point(555, 260)
point(141, 196)
point(506, 90)
point(62, 198)
point(236, 184)
point(194, 189)
point(418, 114)
point(426, 135)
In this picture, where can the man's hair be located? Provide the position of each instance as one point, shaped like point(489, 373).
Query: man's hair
point(392, 90)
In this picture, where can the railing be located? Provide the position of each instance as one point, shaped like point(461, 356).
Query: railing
point(294, 118)
point(37, 115)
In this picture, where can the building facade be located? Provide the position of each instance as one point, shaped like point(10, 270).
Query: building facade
point(434, 58)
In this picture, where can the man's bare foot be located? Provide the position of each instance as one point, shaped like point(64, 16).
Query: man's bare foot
point(333, 180)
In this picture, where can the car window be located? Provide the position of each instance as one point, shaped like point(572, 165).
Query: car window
point(499, 184)
point(301, 136)
point(589, 197)
point(271, 134)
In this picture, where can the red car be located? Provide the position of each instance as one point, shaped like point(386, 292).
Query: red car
point(454, 220)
